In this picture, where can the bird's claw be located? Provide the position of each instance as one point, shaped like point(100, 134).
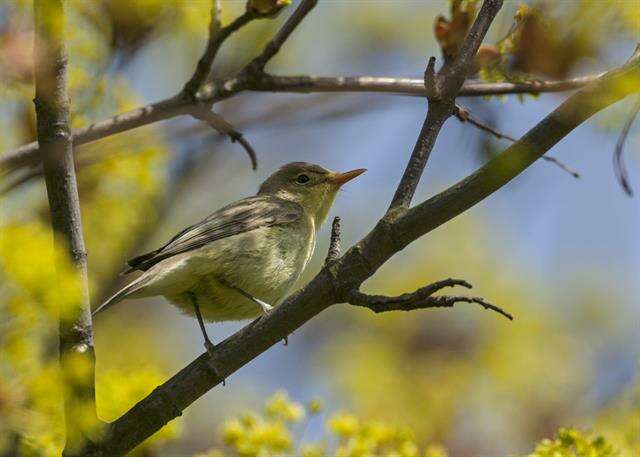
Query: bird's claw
point(210, 347)
point(264, 306)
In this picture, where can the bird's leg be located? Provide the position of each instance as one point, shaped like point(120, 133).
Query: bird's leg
point(209, 346)
point(265, 307)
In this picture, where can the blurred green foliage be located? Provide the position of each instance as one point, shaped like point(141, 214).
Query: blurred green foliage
point(573, 443)
point(279, 429)
point(452, 377)
point(448, 368)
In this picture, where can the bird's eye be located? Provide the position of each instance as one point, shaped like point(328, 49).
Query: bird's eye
point(302, 179)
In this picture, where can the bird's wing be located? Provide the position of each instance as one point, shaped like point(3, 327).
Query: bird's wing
point(243, 216)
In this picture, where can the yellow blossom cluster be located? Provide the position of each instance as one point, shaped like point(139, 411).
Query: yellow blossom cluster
point(570, 442)
point(271, 433)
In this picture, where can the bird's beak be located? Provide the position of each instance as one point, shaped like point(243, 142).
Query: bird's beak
point(342, 178)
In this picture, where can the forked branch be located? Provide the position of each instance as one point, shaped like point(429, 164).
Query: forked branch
point(442, 89)
point(422, 298)
point(217, 36)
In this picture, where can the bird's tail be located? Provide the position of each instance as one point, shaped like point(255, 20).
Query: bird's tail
point(118, 296)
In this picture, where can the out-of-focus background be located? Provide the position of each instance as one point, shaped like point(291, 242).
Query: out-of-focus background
point(561, 254)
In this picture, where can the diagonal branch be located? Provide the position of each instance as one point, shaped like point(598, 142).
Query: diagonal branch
point(421, 299)
point(464, 115)
point(442, 90)
point(222, 126)
point(335, 281)
point(256, 66)
point(217, 36)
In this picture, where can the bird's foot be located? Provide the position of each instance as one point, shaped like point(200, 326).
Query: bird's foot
point(211, 349)
point(264, 306)
point(285, 340)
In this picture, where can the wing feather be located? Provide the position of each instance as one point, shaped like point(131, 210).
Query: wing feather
point(243, 216)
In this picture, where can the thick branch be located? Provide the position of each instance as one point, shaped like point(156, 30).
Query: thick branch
point(334, 282)
point(27, 155)
point(52, 114)
point(442, 89)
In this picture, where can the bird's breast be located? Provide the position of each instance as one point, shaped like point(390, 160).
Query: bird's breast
point(264, 262)
point(268, 270)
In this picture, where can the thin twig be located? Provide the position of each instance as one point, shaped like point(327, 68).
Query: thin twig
point(619, 167)
point(563, 166)
point(217, 36)
point(221, 125)
point(256, 66)
point(421, 299)
point(464, 115)
point(334, 244)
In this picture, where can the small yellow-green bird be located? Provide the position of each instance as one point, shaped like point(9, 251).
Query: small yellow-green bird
point(242, 259)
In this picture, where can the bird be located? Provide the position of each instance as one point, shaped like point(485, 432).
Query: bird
point(241, 260)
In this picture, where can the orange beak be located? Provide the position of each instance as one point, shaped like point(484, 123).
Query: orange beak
point(342, 178)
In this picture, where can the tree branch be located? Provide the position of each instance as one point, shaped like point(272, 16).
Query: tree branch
point(442, 90)
point(52, 116)
point(169, 108)
point(421, 299)
point(184, 103)
point(334, 282)
point(609, 89)
point(223, 127)
point(464, 115)
point(334, 244)
point(619, 167)
point(404, 86)
point(256, 66)
point(217, 36)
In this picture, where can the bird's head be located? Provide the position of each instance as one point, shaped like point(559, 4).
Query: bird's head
point(312, 186)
